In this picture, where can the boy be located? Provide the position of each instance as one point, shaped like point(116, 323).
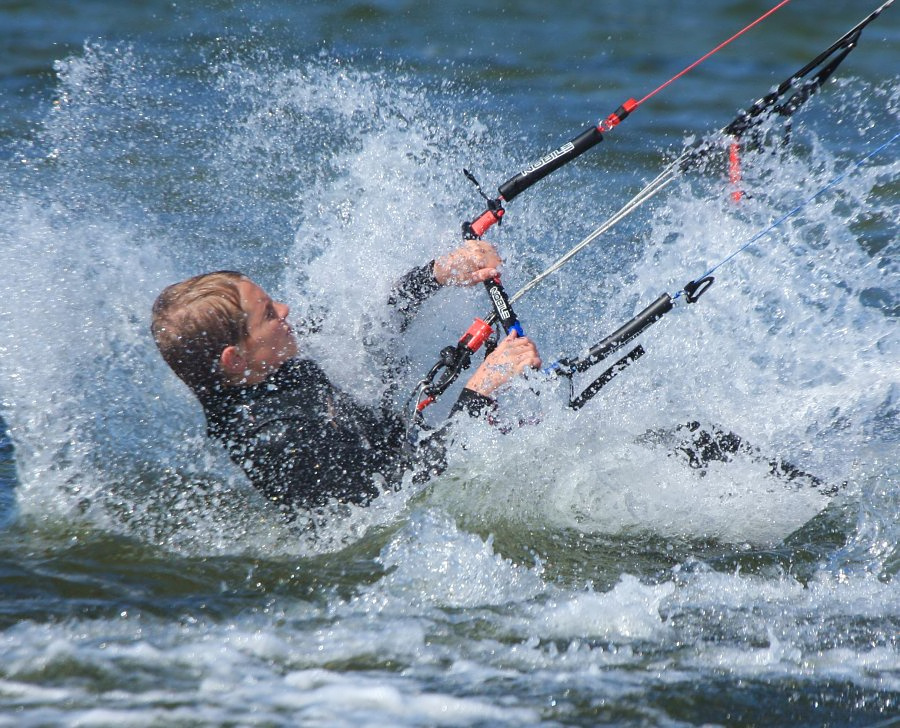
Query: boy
point(299, 439)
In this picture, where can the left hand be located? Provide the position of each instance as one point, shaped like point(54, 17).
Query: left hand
point(512, 356)
point(473, 262)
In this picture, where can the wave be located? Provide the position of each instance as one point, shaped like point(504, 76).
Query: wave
point(325, 182)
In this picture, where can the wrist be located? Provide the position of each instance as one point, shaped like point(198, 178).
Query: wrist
point(486, 380)
point(439, 272)
point(436, 274)
point(473, 403)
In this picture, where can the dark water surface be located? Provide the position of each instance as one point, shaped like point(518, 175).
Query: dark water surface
point(569, 573)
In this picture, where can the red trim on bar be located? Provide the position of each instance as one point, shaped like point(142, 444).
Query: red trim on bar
point(476, 335)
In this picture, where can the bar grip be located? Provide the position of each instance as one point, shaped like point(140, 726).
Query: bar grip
point(549, 163)
point(502, 307)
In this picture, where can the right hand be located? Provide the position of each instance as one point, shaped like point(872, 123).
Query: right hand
point(512, 356)
point(475, 261)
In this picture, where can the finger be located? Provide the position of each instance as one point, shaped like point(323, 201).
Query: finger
point(484, 274)
point(528, 354)
point(528, 359)
point(486, 254)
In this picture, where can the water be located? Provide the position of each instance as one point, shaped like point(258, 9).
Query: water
point(569, 573)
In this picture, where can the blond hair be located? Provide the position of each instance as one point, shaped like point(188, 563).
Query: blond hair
point(194, 321)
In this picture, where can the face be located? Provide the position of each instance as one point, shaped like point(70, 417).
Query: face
point(270, 340)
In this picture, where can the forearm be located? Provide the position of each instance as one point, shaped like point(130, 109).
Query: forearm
point(473, 403)
point(474, 262)
point(411, 291)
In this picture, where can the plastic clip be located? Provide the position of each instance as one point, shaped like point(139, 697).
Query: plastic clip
point(695, 289)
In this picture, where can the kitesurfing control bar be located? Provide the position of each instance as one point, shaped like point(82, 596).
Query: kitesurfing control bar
point(455, 359)
point(549, 163)
point(518, 183)
point(800, 89)
point(824, 66)
point(514, 186)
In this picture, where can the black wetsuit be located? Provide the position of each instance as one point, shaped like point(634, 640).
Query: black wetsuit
point(303, 442)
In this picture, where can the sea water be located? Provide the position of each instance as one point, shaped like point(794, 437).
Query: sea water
point(565, 569)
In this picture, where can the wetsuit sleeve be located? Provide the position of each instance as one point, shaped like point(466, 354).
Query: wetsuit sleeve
point(473, 404)
point(411, 290)
point(432, 450)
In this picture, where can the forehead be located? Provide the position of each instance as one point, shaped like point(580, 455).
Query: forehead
point(253, 298)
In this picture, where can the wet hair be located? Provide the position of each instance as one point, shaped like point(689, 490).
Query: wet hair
point(194, 321)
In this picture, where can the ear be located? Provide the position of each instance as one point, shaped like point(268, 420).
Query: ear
point(232, 362)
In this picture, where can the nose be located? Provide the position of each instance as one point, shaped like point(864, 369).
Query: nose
point(282, 309)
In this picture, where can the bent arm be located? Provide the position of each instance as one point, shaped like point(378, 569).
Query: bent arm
point(511, 357)
point(473, 262)
point(411, 291)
